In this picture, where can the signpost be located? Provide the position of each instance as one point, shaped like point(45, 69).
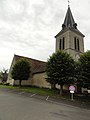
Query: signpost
point(72, 89)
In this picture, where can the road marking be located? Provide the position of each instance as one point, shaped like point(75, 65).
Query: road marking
point(47, 98)
point(53, 101)
point(33, 95)
point(21, 93)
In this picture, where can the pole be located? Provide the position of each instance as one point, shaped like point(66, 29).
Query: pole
point(72, 96)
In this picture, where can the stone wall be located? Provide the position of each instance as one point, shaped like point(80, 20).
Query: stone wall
point(36, 80)
point(40, 81)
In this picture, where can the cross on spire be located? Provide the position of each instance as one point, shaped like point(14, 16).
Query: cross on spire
point(68, 3)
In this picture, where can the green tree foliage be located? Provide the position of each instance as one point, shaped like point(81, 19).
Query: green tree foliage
point(84, 63)
point(4, 75)
point(1, 75)
point(21, 70)
point(60, 69)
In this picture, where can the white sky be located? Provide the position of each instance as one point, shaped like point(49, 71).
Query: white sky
point(28, 27)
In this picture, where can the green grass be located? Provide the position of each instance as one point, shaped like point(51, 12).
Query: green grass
point(4, 86)
point(41, 91)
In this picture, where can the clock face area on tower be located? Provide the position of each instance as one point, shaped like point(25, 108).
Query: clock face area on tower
point(77, 56)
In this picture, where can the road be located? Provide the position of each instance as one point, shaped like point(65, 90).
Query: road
point(18, 107)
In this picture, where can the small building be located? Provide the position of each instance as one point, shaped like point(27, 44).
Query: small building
point(37, 77)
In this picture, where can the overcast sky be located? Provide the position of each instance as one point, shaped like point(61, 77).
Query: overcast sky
point(28, 27)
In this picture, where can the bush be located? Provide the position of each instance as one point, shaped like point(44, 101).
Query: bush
point(1, 83)
point(7, 84)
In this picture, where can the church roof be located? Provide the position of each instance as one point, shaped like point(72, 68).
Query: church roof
point(37, 66)
point(69, 20)
point(74, 30)
point(69, 23)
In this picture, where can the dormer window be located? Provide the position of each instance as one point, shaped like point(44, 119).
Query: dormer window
point(75, 25)
point(63, 26)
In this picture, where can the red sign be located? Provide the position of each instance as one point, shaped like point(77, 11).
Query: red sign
point(72, 88)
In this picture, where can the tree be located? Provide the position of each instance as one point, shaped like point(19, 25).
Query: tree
point(4, 75)
point(21, 70)
point(60, 69)
point(1, 76)
point(84, 62)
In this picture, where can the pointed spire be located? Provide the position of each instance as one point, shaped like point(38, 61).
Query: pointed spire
point(69, 20)
point(68, 3)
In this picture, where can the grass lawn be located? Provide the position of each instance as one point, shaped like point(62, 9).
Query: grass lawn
point(42, 91)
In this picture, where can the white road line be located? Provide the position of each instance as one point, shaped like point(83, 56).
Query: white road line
point(53, 101)
point(21, 93)
point(47, 98)
point(33, 95)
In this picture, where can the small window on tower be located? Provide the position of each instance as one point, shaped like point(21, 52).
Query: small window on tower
point(63, 43)
point(60, 45)
point(75, 43)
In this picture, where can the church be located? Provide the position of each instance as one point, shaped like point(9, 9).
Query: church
point(69, 39)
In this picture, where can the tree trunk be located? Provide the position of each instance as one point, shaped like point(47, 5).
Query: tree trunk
point(79, 89)
point(53, 86)
point(61, 89)
point(20, 83)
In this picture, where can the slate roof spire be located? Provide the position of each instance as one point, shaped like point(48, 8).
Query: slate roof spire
point(69, 23)
point(69, 20)
point(68, 3)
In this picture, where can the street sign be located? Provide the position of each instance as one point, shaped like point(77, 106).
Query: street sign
point(71, 91)
point(72, 88)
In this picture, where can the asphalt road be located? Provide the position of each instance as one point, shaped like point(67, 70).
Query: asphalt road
point(19, 107)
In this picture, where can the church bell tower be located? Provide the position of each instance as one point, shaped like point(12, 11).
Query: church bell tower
point(70, 39)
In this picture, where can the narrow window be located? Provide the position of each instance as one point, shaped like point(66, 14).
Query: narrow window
point(60, 47)
point(75, 46)
point(63, 46)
